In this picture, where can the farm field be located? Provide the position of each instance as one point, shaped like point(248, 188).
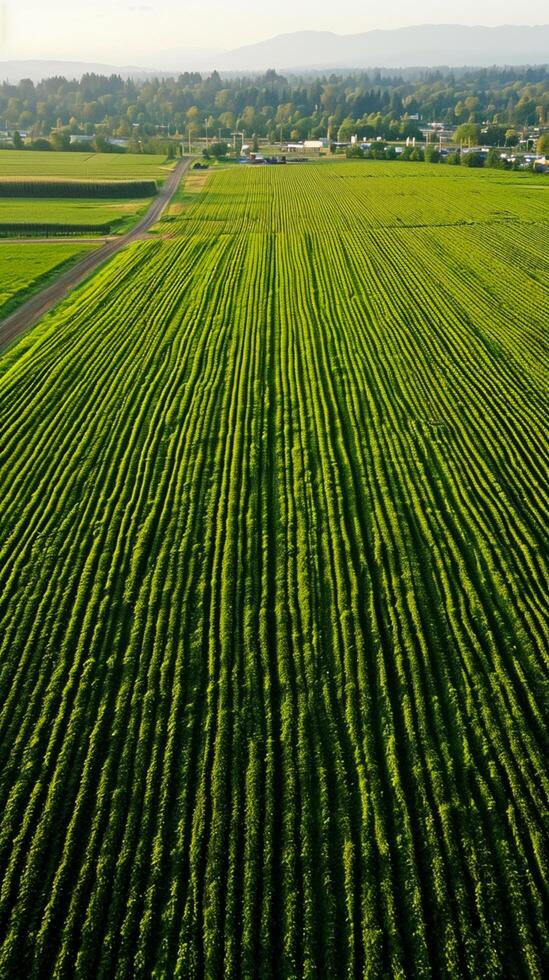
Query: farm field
point(362, 195)
point(64, 212)
point(84, 166)
point(26, 267)
point(273, 580)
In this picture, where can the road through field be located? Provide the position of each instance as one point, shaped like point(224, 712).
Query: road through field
point(31, 311)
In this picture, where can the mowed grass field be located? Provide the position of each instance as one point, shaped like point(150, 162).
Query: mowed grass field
point(24, 268)
point(84, 166)
point(118, 214)
point(273, 590)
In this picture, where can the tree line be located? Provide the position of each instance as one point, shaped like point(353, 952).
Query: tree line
point(506, 101)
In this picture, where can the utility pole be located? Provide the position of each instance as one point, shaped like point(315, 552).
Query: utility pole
point(234, 136)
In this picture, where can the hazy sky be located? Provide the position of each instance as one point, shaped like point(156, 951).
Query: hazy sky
point(131, 32)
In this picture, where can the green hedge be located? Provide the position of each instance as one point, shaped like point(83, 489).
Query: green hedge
point(9, 228)
point(78, 188)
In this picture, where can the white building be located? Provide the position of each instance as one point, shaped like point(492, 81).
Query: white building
point(316, 145)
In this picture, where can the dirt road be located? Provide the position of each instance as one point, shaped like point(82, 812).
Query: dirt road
point(29, 312)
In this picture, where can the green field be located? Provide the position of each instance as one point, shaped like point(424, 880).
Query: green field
point(83, 166)
point(273, 589)
point(119, 214)
point(362, 195)
point(66, 211)
point(26, 267)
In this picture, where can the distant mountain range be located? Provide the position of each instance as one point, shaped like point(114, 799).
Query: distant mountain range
point(428, 45)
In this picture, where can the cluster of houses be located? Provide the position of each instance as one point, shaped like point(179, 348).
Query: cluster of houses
point(537, 161)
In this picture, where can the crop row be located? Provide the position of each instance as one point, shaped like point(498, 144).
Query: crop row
point(272, 595)
point(361, 195)
point(77, 188)
point(49, 229)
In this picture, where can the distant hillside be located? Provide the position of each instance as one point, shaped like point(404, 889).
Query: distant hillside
point(425, 45)
point(14, 71)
